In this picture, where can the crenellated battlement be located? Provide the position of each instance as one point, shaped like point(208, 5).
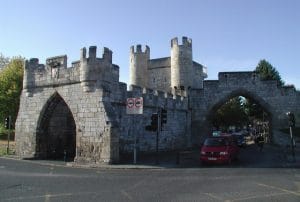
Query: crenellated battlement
point(106, 54)
point(57, 62)
point(87, 70)
point(186, 42)
point(34, 61)
point(138, 49)
point(33, 64)
point(157, 99)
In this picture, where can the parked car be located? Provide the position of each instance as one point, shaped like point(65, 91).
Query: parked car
point(222, 149)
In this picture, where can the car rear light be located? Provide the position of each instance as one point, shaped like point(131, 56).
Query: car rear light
point(224, 153)
point(203, 153)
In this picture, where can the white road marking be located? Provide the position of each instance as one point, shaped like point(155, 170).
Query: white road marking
point(256, 197)
point(280, 189)
point(48, 196)
point(214, 196)
point(126, 194)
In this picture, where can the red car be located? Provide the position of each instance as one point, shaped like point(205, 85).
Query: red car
point(222, 149)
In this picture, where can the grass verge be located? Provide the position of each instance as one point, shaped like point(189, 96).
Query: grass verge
point(3, 144)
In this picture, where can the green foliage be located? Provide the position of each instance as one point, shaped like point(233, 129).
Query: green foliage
point(230, 114)
point(3, 61)
point(268, 72)
point(254, 110)
point(11, 80)
point(2, 128)
point(238, 111)
point(2, 151)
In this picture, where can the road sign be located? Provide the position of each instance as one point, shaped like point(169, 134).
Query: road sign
point(134, 105)
point(139, 102)
point(130, 103)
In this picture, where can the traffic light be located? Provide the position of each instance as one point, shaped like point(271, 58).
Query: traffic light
point(154, 121)
point(163, 119)
point(7, 122)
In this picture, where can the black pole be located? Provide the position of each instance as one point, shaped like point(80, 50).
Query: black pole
point(292, 142)
point(156, 156)
point(8, 135)
point(134, 147)
point(157, 137)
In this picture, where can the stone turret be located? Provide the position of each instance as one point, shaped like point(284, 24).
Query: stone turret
point(107, 55)
point(93, 68)
point(30, 67)
point(28, 80)
point(181, 65)
point(84, 70)
point(139, 66)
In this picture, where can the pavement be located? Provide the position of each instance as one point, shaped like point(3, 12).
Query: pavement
point(144, 161)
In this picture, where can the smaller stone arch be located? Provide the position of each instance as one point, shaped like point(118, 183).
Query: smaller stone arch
point(56, 130)
point(214, 105)
point(239, 92)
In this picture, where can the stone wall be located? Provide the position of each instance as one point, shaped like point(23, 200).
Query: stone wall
point(175, 133)
point(93, 101)
point(94, 98)
point(274, 99)
point(93, 126)
point(159, 73)
point(86, 89)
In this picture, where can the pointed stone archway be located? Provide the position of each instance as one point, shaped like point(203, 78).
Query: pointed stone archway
point(267, 111)
point(56, 131)
point(205, 125)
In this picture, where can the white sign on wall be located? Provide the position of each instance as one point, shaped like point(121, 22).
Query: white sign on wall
point(134, 105)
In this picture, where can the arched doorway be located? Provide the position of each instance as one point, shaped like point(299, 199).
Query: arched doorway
point(245, 111)
point(56, 133)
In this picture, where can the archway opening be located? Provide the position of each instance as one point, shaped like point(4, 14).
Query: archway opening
point(56, 136)
point(240, 114)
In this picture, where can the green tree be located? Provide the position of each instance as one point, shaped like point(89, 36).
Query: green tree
point(268, 72)
point(230, 114)
point(3, 61)
point(11, 80)
point(254, 111)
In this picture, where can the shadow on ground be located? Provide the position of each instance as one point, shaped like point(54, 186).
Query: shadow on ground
point(250, 157)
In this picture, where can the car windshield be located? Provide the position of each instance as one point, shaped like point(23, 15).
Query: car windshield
point(215, 142)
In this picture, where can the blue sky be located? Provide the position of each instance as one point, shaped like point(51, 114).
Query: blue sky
point(228, 35)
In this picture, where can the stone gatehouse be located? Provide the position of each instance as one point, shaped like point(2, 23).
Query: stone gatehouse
point(80, 111)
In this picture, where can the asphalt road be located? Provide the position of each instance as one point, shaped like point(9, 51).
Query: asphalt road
point(31, 181)
point(256, 176)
